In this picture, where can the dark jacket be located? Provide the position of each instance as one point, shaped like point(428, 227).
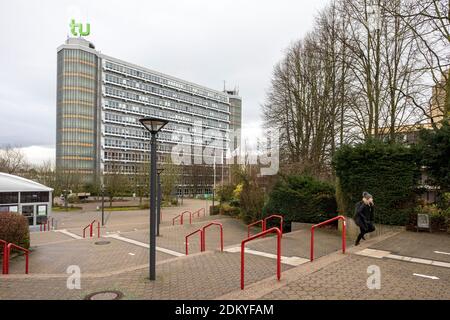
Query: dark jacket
point(364, 216)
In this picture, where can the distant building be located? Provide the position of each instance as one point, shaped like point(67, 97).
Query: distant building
point(100, 100)
point(26, 197)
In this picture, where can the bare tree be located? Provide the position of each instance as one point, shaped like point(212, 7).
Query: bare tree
point(12, 160)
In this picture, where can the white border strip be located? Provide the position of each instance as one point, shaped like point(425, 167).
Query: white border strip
point(144, 245)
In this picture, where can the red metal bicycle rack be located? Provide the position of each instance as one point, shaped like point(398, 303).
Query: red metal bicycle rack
point(258, 235)
point(178, 216)
point(91, 229)
point(190, 216)
point(201, 210)
point(203, 246)
point(190, 234)
point(324, 223)
point(6, 256)
point(275, 216)
point(263, 225)
point(4, 243)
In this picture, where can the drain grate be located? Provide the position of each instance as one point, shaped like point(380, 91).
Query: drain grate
point(104, 295)
point(102, 243)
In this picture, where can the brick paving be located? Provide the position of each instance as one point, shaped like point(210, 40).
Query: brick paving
point(202, 276)
point(212, 274)
point(346, 280)
point(91, 258)
point(418, 244)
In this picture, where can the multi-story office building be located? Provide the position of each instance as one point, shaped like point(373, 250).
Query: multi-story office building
point(100, 100)
point(235, 123)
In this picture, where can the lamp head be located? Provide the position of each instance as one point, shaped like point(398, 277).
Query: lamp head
point(154, 125)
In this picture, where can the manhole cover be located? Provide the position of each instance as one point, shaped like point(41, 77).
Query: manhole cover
point(102, 243)
point(105, 295)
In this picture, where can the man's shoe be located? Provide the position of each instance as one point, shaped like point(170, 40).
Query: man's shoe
point(357, 243)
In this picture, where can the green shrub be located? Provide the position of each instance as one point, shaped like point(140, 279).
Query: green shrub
point(229, 210)
point(434, 147)
point(14, 229)
point(302, 199)
point(390, 172)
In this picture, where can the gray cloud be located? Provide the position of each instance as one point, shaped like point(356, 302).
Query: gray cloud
point(202, 41)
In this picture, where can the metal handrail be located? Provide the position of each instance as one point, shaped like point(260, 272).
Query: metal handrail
point(190, 234)
point(263, 224)
point(275, 216)
point(178, 216)
point(84, 230)
point(8, 252)
point(98, 228)
point(258, 235)
point(4, 243)
point(204, 234)
point(324, 223)
point(198, 212)
point(190, 216)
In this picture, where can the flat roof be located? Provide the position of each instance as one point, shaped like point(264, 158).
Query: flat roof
point(11, 183)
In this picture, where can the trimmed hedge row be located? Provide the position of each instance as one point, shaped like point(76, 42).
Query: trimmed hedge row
point(302, 199)
point(390, 172)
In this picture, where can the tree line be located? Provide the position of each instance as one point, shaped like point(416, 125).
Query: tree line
point(366, 69)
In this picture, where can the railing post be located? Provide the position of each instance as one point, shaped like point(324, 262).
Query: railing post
point(98, 229)
point(279, 255)
point(242, 264)
point(344, 240)
point(312, 244)
point(6, 258)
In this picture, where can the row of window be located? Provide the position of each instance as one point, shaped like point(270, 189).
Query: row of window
point(134, 120)
point(155, 101)
point(25, 197)
point(172, 94)
point(161, 80)
point(175, 136)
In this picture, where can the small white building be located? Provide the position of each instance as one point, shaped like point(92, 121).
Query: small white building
point(26, 197)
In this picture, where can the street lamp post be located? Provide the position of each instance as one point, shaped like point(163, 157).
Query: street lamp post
point(154, 125)
point(158, 206)
point(103, 204)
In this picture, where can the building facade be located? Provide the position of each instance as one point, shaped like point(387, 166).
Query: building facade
point(100, 100)
point(26, 197)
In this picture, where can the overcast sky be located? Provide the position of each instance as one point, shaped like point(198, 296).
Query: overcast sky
point(203, 41)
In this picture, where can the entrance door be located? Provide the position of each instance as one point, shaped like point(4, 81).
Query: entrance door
point(28, 212)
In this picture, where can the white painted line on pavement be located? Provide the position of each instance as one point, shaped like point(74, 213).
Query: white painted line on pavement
point(131, 254)
point(67, 233)
point(292, 261)
point(379, 254)
point(441, 252)
point(425, 276)
point(144, 245)
point(385, 254)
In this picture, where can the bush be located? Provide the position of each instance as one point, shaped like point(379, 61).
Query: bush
point(302, 199)
point(390, 172)
point(439, 218)
point(229, 210)
point(434, 146)
point(225, 192)
point(14, 229)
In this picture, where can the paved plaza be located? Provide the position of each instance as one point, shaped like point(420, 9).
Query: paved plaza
point(412, 265)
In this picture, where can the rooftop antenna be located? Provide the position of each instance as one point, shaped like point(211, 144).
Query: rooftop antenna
point(224, 87)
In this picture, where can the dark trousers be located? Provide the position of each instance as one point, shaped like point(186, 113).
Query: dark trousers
point(361, 234)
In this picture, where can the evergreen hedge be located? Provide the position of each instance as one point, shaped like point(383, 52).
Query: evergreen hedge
point(390, 172)
point(301, 199)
